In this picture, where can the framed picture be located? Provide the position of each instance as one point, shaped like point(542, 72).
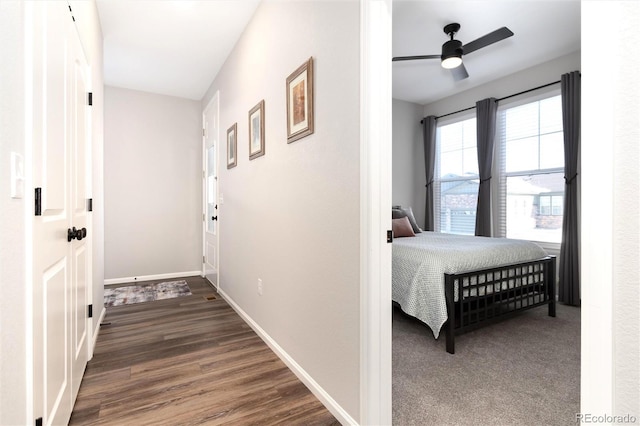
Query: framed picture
point(300, 102)
point(256, 131)
point(232, 146)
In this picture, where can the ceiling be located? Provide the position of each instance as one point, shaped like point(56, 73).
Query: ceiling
point(176, 47)
point(543, 30)
point(170, 47)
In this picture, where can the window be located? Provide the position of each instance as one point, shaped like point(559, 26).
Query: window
point(456, 177)
point(530, 160)
point(551, 205)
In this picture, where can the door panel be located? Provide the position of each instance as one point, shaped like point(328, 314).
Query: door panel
point(79, 247)
point(56, 343)
point(60, 267)
point(51, 261)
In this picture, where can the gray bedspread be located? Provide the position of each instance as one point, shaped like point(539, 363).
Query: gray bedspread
point(420, 262)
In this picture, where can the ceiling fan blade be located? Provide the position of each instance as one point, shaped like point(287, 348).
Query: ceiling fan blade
point(459, 72)
point(411, 58)
point(486, 40)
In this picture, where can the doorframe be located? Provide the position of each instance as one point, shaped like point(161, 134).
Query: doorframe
point(375, 201)
point(214, 100)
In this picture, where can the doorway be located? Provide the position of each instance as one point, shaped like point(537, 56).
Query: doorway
point(210, 143)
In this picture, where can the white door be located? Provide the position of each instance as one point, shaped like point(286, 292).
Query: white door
point(210, 193)
point(80, 245)
point(60, 267)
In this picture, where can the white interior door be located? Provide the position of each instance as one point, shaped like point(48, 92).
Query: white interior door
point(80, 245)
point(210, 196)
point(60, 266)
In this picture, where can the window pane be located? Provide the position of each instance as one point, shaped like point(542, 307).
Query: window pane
point(458, 207)
point(551, 115)
point(457, 158)
point(469, 133)
point(211, 189)
point(451, 164)
point(522, 121)
point(470, 161)
point(557, 205)
point(457, 149)
point(534, 207)
point(545, 205)
point(551, 150)
point(522, 154)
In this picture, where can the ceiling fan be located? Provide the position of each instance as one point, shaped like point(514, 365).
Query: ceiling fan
point(452, 50)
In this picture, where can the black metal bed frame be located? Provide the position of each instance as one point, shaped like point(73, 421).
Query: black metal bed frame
point(480, 297)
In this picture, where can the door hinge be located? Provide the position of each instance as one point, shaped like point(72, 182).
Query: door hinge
point(203, 261)
point(38, 200)
point(389, 236)
point(90, 204)
point(204, 133)
point(90, 313)
point(39, 421)
point(90, 98)
point(203, 219)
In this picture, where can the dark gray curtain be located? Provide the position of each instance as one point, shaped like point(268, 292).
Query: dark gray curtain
point(569, 288)
point(486, 111)
point(429, 136)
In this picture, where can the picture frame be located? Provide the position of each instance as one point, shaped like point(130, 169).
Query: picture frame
point(232, 146)
point(256, 131)
point(300, 114)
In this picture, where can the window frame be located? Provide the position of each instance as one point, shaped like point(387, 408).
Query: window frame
point(499, 164)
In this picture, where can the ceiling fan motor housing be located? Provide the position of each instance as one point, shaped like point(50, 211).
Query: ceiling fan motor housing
point(451, 48)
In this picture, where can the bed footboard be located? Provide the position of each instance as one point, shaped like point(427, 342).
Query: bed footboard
point(479, 297)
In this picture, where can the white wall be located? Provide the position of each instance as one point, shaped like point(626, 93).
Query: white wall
point(13, 321)
point(153, 184)
point(408, 157)
point(291, 217)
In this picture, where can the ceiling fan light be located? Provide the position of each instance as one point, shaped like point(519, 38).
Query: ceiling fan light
point(451, 62)
point(451, 54)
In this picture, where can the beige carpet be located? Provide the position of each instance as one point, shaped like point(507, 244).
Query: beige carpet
point(521, 371)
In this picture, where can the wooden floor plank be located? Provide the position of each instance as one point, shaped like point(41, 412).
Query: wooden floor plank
point(189, 360)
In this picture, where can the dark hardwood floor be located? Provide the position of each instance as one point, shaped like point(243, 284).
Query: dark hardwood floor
point(185, 361)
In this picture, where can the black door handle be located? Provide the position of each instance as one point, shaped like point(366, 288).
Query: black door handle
point(214, 217)
point(79, 234)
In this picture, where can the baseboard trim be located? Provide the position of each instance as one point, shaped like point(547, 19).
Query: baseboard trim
point(151, 277)
point(338, 412)
point(96, 330)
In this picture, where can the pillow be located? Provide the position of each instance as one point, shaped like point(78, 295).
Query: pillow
point(402, 228)
point(397, 213)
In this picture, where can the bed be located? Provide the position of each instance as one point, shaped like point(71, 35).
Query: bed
point(454, 283)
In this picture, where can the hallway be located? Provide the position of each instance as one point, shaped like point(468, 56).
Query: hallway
point(189, 360)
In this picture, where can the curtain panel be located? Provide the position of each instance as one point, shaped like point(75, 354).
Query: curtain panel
point(429, 136)
point(486, 113)
point(569, 286)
